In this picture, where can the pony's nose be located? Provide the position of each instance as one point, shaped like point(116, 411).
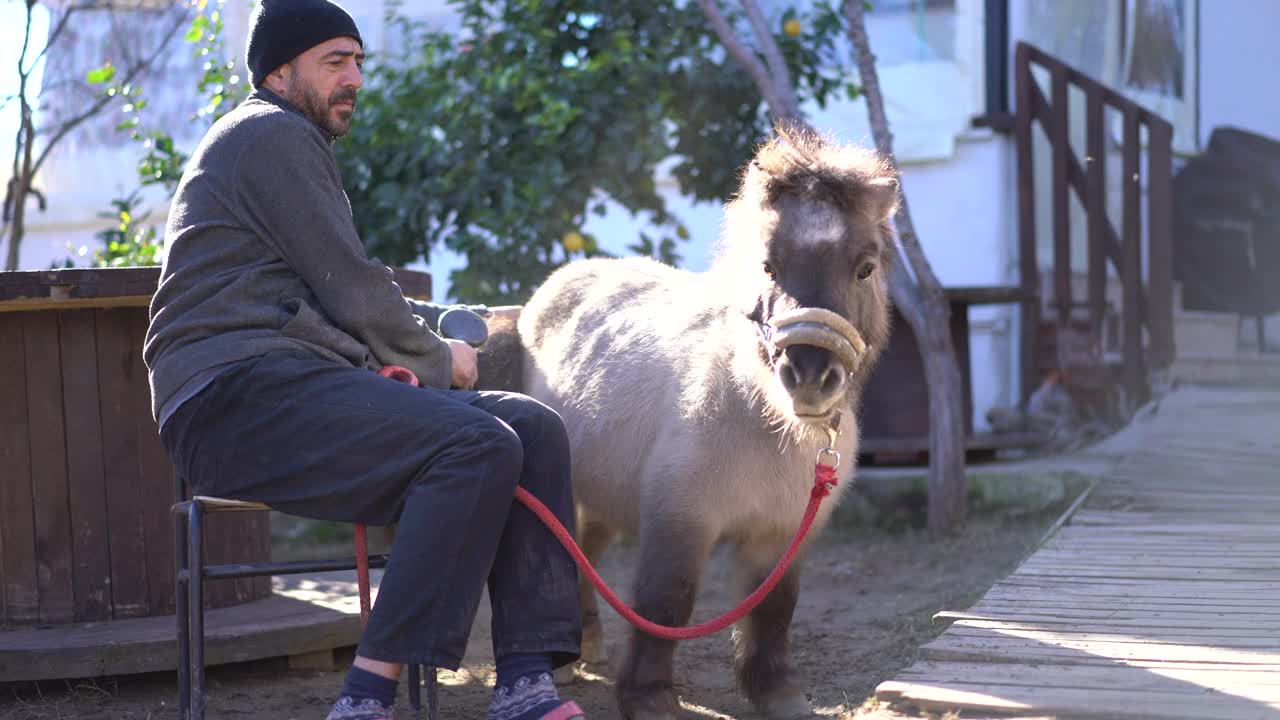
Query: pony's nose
point(811, 370)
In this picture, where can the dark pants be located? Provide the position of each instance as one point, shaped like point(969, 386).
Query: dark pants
point(315, 439)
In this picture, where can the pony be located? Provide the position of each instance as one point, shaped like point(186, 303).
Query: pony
point(697, 402)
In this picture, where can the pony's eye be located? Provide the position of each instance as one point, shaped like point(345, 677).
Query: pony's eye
point(768, 270)
point(865, 270)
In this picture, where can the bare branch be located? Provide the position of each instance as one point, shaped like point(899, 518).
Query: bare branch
point(927, 311)
point(55, 33)
point(773, 56)
point(26, 39)
point(856, 12)
point(746, 59)
point(102, 101)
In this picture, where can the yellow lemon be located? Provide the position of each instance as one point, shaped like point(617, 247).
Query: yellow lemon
point(792, 27)
point(573, 241)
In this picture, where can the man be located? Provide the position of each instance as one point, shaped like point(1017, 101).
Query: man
point(265, 331)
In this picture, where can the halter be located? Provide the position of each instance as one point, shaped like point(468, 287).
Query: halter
point(813, 326)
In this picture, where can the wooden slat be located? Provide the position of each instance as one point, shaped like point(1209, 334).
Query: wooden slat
point(1003, 648)
point(48, 467)
point(1160, 232)
point(87, 497)
point(154, 479)
point(18, 590)
point(1060, 142)
point(129, 591)
point(1120, 677)
point(1137, 618)
point(1096, 206)
point(1135, 370)
point(1086, 703)
point(1099, 630)
point(1028, 267)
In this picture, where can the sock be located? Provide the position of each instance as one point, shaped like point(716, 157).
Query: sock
point(525, 689)
point(362, 685)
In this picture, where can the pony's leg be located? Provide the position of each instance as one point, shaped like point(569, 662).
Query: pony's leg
point(762, 641)
point(673, 552)
point(594, 538)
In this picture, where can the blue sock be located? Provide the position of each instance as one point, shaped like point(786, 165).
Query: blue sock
point(362, 684)
point(517, 665)
point(525, 689)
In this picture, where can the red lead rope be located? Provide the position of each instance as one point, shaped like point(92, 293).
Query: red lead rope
point(824, 478)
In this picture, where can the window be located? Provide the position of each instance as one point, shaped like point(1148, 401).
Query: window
point(913, 30)
point(1157, 63)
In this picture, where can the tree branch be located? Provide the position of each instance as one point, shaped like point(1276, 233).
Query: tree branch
point(746, 59)
point(56, 32)
point(927, 311)
point(773, 56)
point(102, 101)
point(856, 12)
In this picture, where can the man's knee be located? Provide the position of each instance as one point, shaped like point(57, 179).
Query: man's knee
point(497, 443)
point(536, 422)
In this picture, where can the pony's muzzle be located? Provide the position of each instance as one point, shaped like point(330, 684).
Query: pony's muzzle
point(817, 352)
point(811, 372)
point(821, 329)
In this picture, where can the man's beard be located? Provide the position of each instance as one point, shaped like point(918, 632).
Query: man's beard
point(305, 98)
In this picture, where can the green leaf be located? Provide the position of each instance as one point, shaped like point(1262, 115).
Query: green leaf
point(197, 29)
point(98, 76)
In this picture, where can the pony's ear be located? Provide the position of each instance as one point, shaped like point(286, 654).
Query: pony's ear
point(882, 198)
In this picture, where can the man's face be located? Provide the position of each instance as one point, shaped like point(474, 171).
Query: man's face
point(322, 83)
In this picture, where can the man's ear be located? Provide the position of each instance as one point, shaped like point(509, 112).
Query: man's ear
point(277, 80)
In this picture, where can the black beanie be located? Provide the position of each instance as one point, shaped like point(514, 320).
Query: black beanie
point(281, 30)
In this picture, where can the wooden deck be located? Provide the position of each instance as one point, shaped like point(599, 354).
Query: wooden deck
point(306, 616)
point(1159, 599)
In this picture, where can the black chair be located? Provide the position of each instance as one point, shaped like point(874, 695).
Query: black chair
point(192, 571)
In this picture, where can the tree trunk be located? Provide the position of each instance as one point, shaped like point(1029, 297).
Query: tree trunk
point(18, 224)
point(16, 227)
point(924, 305)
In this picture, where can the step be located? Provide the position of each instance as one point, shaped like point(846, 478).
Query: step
point(1206, 333)
point(1226, 368)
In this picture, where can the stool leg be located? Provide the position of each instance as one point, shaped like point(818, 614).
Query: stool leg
point(432, 696)
point(181, 612)
point(415, 688)
point(195, 605)
point(362, 571)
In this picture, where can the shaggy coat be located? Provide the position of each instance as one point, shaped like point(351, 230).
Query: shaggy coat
point(689, 427)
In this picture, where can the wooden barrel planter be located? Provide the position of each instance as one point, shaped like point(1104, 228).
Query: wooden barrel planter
point(85, 529)
point(85, 486)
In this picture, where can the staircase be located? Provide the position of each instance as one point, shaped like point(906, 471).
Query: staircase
point(1219, 349)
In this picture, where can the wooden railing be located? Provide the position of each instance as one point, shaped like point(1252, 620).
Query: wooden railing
point(1145, 306)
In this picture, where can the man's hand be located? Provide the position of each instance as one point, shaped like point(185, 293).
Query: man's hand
point(465, 372)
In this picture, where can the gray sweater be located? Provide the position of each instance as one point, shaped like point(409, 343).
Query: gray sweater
point(262, 255)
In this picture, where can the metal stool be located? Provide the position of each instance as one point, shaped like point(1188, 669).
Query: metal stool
point(191, 571)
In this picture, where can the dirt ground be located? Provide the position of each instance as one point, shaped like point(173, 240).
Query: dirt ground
point(866, 603)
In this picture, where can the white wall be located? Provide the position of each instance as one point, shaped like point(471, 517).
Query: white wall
point(1239, 55)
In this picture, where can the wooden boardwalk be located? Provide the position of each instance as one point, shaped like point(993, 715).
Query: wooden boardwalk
point(1159, 599)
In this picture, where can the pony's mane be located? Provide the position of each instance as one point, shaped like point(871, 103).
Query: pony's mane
point(799, 162)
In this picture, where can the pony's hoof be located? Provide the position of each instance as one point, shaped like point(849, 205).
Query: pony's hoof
point(661, 705)
point(790, 706)
point(565, 674)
